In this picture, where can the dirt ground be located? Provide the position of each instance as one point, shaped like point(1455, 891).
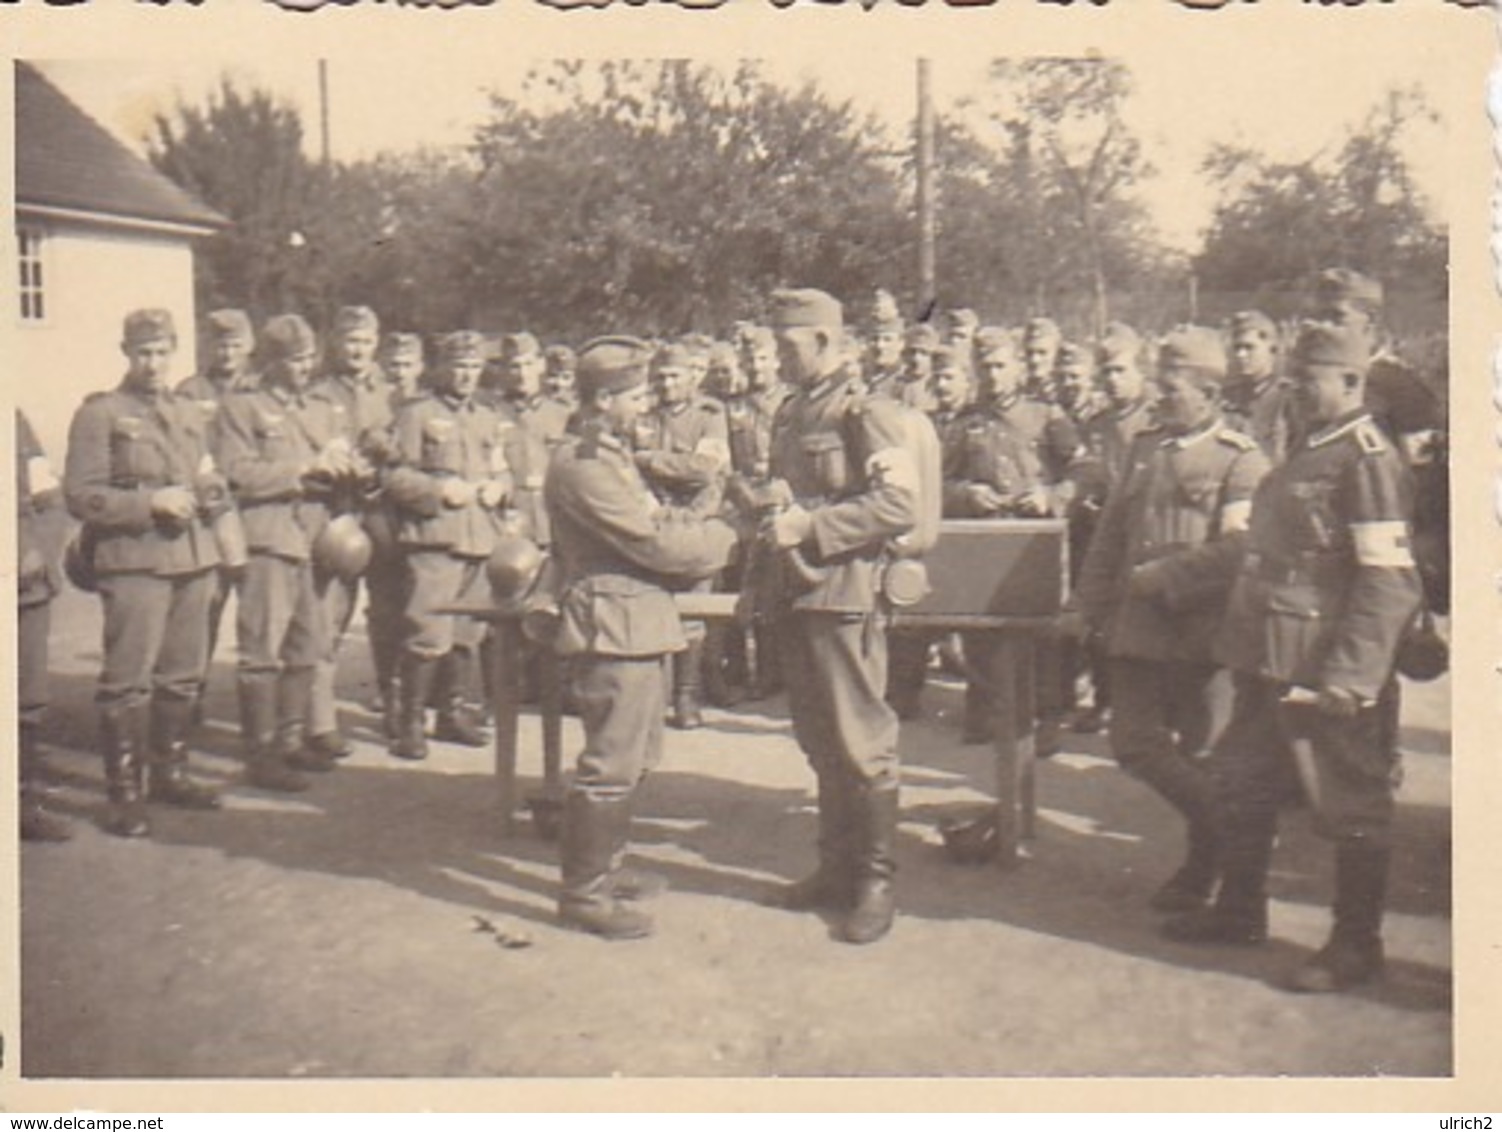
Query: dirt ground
point(334, 934)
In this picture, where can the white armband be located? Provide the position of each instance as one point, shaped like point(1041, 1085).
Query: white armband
point(1235, 516)
point(40, 475)
point(893, 467)
point(1383, 543)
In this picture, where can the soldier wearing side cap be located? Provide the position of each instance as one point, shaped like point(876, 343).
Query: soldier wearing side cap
point(558, 377)
point(450, 484)
point(910, 386)
point(41, 526)
point(356, 381)
point(534, 425)
point(884, 340)
point(1040, 350)
point(403, 361)
point(1154, 584)
point(1325, 591)
point(683, 452)
point(856, 484)
point(1074, 382)
point(285, 447)
point(960, 328)
point(1258, 398)
point(141, 478)
point(620, 553)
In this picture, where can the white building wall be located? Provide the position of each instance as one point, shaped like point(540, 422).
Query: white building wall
point(92, 278)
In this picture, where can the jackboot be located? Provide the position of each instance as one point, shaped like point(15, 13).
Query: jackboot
point(769, 680)
point(1239, 914)
point(595, 832)
point(36, 824)
point(458, 714)
point(832, 884)
point(264, 766)
point(1353, 954)
point(907, 670)
point(294, 746)
point(391, 710)
point(1185, 787)
point(122, 734)
point(714, 670)
point(687, 715)
point(418, 675)
point(167, 776)
point(875, 809)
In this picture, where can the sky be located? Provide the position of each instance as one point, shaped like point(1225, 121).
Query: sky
point(1276, 105)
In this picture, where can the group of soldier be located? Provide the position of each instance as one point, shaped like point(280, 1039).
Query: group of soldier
point(1236, 499)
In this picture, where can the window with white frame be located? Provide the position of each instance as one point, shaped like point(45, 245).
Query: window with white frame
point(30, 244)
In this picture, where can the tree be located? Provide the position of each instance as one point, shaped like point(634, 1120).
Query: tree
point(1353, 204)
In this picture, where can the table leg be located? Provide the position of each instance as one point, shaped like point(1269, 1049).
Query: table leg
point(1012, 721)
point(505, 702)
point(550, 695)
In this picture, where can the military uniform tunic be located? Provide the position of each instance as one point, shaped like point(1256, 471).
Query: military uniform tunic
point(683, 451)
point(1266, 414)
point(1326, 590)
point(155, 575)
point(532, 430)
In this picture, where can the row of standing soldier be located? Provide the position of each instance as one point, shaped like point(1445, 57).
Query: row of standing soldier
point(1010, 456)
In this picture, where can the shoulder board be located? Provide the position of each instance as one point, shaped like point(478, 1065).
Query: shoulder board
point(711, 406)
point(97, 395)
point(1370, 438)
point(1238, 440)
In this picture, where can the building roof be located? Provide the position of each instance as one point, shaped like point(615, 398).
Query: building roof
point(67, 163)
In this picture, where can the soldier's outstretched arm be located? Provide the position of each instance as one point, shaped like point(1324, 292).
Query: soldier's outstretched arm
point(889, 505)
point(253, 476)
point(599, 499)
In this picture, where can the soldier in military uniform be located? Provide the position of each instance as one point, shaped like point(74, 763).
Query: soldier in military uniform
point(231, 342)
point(884, 339)
point(450, 484)
point(1074, 383)
point(1154, 584)
point(1258, 399)
point(855, 482)
point(534, 424)
point(960, 328)
point(1325, 591)
point(285, 447)
point(142, 480)
point(403, 362)
point(911, 386)
point(683, 452)
point(558, 378)
point(40, 529)
point(1040, 352)
point(620, 553)
point(357, 382)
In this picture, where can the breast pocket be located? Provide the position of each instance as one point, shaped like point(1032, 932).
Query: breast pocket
point(441, 450)
point(824, 453)
point(133, 453)
point(274, 438)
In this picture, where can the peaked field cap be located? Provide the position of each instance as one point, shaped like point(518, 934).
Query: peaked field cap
point(962, 318)
point(1071, 354)
point(1254, 322)
point(356, 318)
point(521, 344)
point(995, 342)
point(560, 355)
point(1041, 328)
point(401, 342)
point(463, 346)
point(723, 354)
point(1325, 344)
point(674, 355)
point(613, 363)
point(1340, 284)
point(922, 336)
point(286, 336)
point(1118, 343)
point(1197, 349)
point(806, 306)
point(148, 325)
point(229, 322)
point(755, 336)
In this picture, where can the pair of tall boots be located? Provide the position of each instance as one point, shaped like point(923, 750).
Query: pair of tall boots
point(1186, 787)
point(273, 720)
point(687, 712)
point(857, 863)
point(456, 676)
point(36, 822)
point(145, 752)
point(599, 894)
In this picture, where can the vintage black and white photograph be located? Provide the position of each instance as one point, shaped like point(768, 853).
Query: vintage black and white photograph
point(672, 566)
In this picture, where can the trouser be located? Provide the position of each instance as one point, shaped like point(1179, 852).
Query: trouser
point(388, 590)
point(33, 631)
point(155, 636)
point(338, 598)
point(1161, 708)
point(439, 578)
point(621, 701)
point(835, 667)
point(280, 622)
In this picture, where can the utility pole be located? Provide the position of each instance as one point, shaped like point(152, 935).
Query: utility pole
point(927, 285)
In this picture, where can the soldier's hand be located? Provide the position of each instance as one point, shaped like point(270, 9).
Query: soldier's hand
point(1033, 503)
point(790, 527)
point(492, 494)
point(984, 499)
point(1340, 703)
point(174, 503)
point(457, 492)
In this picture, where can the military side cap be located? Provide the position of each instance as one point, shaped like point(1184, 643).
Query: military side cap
point(674, 355)
point(560, 356)
point(614, 363)
point(1325, 344)
point(229, 323)
point(356, 318)
point(884, 315)
point(522, 344)
point(962, 320)
point(286, 336)
point(698, 345)
point(949, 356)
point(754, 336)
point(1253, 322)
point(403, 345)
point(722, 354)
point(995, 343)
point(1118, 343)
point(922, 336)
point(1041, 330)
point(463, 346)
point(1195, 349)
point(1072, 354)
point(1341, 284)
point(806, 307)
point(151, 325)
